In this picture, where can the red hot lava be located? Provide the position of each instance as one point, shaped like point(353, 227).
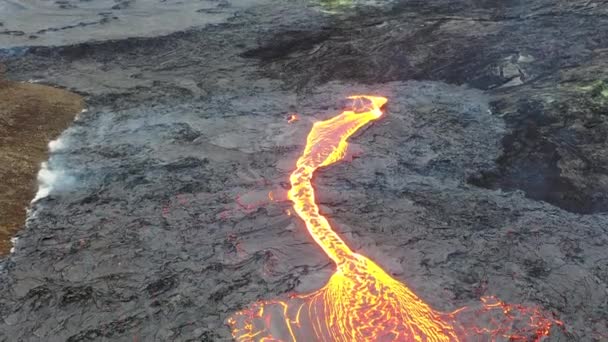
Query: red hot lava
point(361, 302)
point(293, 118)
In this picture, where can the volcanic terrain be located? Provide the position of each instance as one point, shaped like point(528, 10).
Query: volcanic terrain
point(166, 211)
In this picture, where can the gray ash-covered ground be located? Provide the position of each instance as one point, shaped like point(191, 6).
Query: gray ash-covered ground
point(486, 177)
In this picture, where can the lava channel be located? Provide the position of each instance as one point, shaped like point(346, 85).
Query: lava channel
point(361, 302)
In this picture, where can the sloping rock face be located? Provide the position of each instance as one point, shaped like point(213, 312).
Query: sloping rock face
point(486, 177)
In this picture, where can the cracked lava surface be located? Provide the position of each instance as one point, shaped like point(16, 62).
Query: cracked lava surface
point(361, 302)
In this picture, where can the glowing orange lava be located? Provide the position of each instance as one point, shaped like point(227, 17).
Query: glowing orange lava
point(293, 118)
point(361, 302)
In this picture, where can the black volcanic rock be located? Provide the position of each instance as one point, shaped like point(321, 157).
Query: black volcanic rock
point(486, 177)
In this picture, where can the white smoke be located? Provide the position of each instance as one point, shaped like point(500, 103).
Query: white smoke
point(13, 243)
point(46, 179)
point(56, 145)
point(50, 178)
point(81, 112)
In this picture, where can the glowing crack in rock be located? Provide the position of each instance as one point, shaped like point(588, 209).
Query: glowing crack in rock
point(293, 118)
point(361, 302)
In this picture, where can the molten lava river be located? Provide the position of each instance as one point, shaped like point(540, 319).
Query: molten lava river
point(361, 302)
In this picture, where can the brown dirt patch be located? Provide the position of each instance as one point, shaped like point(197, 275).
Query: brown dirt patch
point(30, 116)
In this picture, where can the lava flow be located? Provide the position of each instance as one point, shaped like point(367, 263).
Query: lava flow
point(361, 302)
